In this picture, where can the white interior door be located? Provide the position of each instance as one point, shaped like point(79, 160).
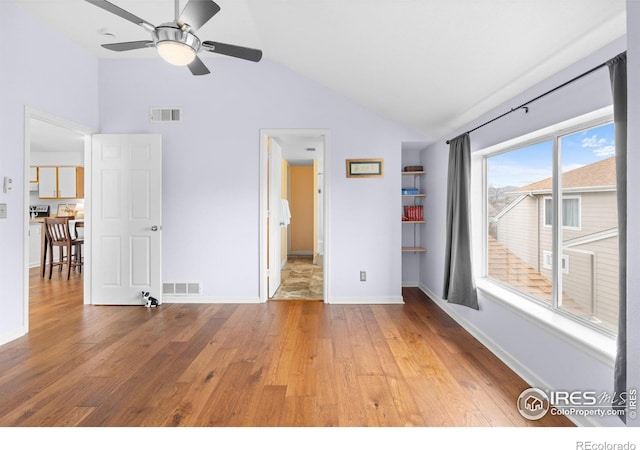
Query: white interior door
point(275, 235)
point(126, 218)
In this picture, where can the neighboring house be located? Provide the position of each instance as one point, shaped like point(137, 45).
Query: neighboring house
point(590, 236)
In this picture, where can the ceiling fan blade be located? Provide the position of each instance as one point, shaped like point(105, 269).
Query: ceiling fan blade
point(107, 6)
point(124, 46)
point(198, 12)
point(250, 54)
point(197, 67)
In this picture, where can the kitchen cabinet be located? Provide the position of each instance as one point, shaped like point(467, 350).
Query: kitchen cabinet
point(48, 182)
point(33, 174)
point(70, 182)
point(61, 182)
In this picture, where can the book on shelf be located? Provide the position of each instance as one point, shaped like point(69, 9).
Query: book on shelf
point(413, 213)
point(413, 168)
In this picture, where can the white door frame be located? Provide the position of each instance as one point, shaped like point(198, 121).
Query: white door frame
point(264, 133)
point(31, 113)
point(274, 227)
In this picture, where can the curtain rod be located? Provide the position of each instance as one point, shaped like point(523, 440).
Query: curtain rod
point(524, 105)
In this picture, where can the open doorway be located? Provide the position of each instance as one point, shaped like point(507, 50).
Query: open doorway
point(293, 214)
point(54, 155)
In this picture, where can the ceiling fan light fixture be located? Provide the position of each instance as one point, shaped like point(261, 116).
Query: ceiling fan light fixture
point(176, 53)
point(175, 41)
point(175, 46)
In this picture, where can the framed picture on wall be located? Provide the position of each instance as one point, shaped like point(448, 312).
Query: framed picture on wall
point(365, 168)
point(66, 210)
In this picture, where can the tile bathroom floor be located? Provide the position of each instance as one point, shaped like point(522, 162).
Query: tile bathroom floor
point(301, 280)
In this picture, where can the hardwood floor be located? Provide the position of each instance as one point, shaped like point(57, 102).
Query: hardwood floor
point(275, 364)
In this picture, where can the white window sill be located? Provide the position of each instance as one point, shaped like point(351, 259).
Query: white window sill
point(591, 341)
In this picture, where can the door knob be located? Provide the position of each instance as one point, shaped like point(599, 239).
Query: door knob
point(154, 228)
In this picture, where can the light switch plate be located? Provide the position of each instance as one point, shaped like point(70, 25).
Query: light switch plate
point(7, 184)
point(3, 210)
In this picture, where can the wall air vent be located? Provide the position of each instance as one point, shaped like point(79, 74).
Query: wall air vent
point(181, 288)
point(165, 115)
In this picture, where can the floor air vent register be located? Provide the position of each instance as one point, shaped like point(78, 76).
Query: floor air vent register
point(181, 288)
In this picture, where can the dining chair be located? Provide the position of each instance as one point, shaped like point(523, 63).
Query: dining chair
point(58, 235)
point(79, 224)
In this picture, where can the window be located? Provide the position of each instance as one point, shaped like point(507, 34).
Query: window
point(570, 212)
point(527, 251)
point(548, 261)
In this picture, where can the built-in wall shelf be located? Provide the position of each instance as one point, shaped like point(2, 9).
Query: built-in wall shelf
point(414, 249)
point(412, 207)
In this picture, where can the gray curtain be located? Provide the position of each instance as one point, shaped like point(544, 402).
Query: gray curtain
point(459, 284)
point(618, 74)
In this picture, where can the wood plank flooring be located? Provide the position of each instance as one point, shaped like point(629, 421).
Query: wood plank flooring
point(276, 364)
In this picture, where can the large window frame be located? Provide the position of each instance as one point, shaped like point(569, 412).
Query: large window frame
point(535, 309)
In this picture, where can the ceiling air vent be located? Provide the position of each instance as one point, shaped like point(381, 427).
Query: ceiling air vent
point(166, 115)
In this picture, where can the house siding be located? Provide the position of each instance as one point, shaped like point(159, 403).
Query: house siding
point(599, 296)
point(521, 240)
point(578, 282)
point(606, 283)
point(589, 282)
point(599, 212)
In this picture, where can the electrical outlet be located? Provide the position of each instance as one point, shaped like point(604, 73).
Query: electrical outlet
point(363, 275)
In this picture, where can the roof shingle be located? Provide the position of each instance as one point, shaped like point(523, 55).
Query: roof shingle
point(598, 174)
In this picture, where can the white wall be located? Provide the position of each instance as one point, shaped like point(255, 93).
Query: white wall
point(60, 80)
point(633, 187)
point(536, 352)
point(211, 171)
point(57, 159)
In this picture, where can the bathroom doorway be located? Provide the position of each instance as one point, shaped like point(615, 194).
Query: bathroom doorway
point(293, 214)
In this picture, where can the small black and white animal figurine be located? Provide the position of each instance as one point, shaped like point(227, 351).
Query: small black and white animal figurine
point(152, 302)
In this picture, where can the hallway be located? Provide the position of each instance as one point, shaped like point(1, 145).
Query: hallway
point(301, 280)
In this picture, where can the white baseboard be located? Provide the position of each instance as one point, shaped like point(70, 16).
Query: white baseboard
point(366, 301)
point(12, 335)
point(184, 299)
point(513, 363)
point(301, 253)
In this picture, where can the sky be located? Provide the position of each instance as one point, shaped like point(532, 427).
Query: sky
point(534, 163)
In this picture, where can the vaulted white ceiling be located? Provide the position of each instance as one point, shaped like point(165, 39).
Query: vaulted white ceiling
point(432, 65)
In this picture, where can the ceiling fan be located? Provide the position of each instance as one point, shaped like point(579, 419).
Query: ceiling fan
point(175, 41)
